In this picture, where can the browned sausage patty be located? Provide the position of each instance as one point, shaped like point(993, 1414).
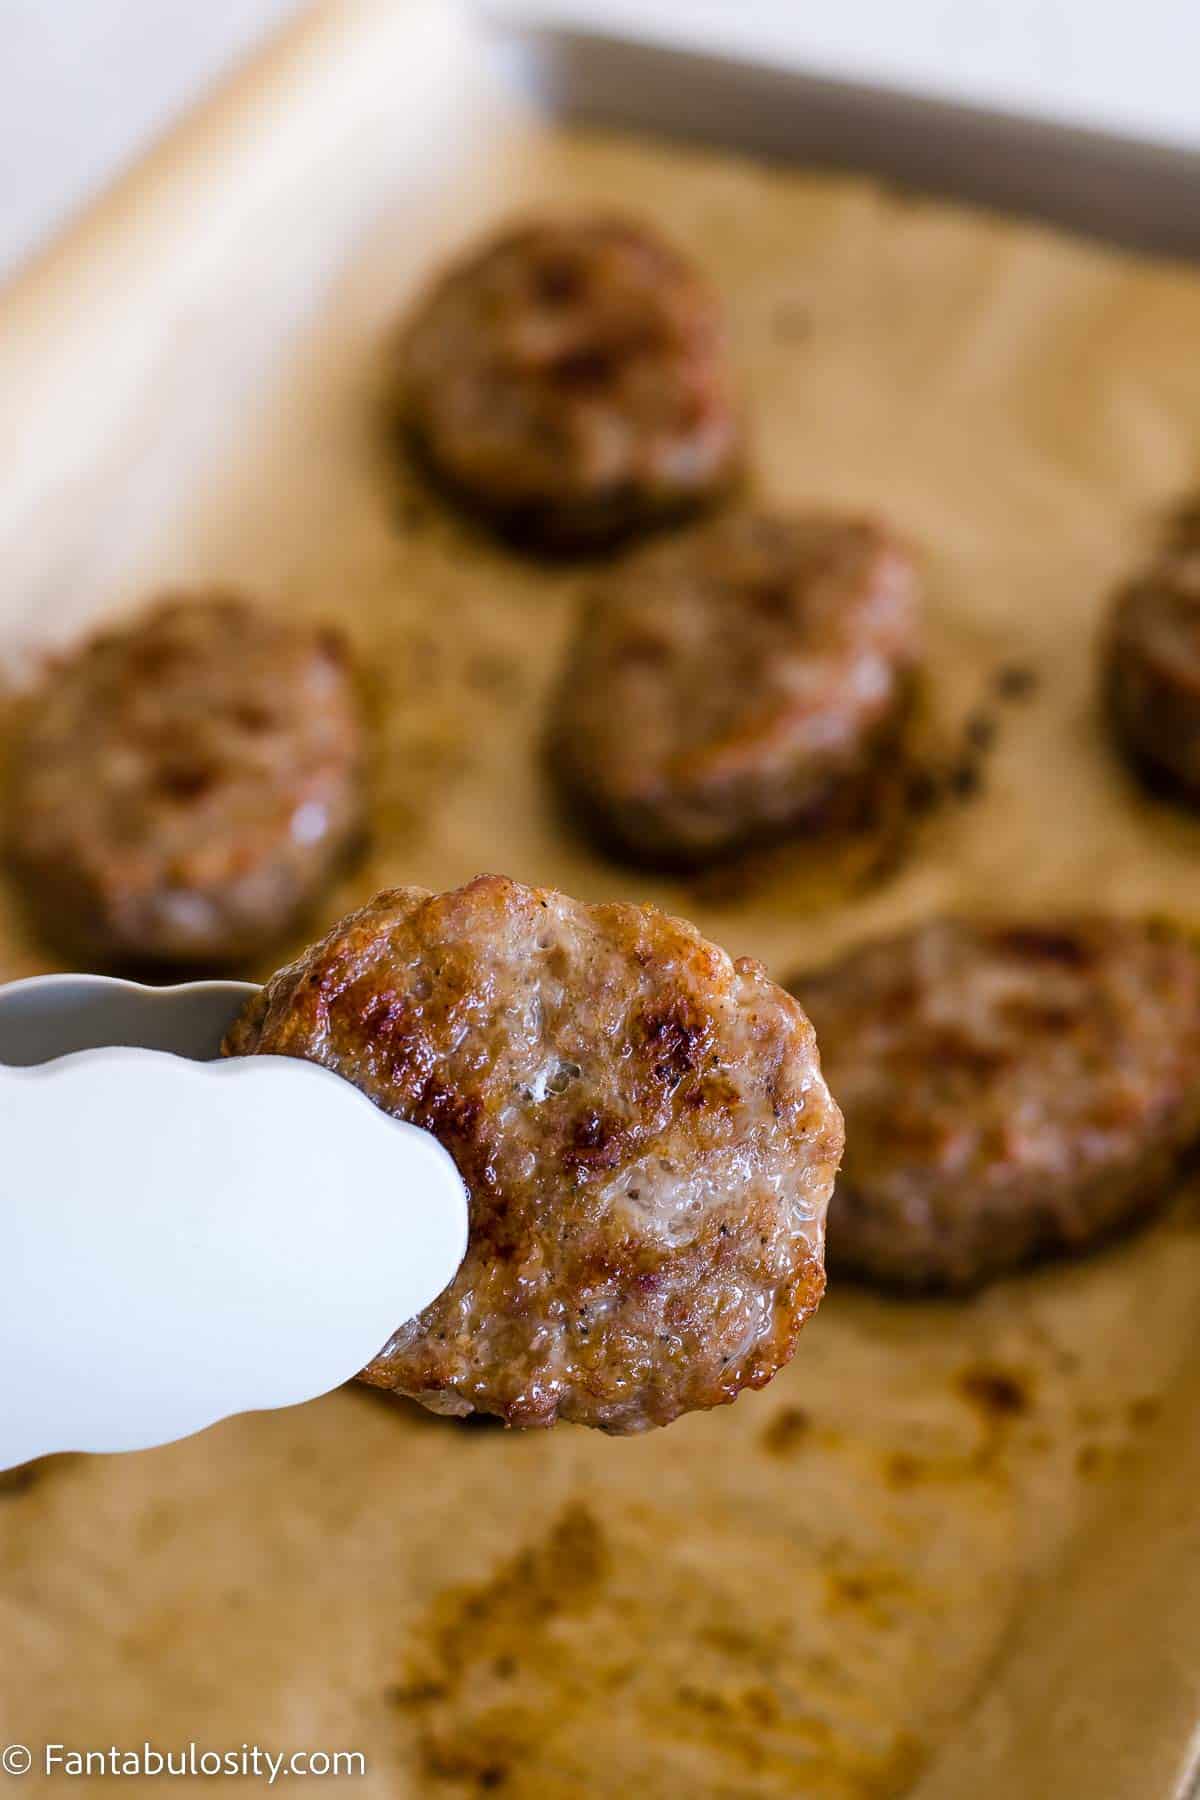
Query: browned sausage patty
point(737, 682)
point(182, 787)
point(641, 1123)
point(569, 380)
point(1152, 668)
point(1009, 1089)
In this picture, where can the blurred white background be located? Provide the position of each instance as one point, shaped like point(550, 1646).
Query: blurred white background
point(86, 84)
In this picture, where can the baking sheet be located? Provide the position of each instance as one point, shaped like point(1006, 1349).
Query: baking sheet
point(952, 1548)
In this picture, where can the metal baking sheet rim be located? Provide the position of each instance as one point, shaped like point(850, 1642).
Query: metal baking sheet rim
point(1126, 190)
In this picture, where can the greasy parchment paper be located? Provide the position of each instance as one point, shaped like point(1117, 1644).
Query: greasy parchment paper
point(953, 1548)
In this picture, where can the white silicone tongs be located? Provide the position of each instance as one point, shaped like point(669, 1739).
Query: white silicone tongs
point(183, 1237)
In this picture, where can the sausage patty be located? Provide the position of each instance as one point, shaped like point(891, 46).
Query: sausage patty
point(569, 380)
point(182, 787)
point(737, 682)
point(1009, 1089)
point(1152, 668)
point(641, 1124)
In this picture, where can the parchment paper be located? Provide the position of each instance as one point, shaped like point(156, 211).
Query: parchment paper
point(952, 1545)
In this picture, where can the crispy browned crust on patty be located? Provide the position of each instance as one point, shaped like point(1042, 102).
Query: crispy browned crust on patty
point(735, 683)
point(568, 379)
point(641, 1123)
point(1009, 1089)
point(1152, 669)
point(183, 786)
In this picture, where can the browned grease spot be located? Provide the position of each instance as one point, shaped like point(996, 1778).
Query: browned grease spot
point(949, 767)
point(482, 1638)
point(785, 1433)
point(760, 1705)
point(1099, 1459)
point(589, 1636)
point(1015, 681)
point(875, 1591)
point(997, 1393)
point(493, 674)
point(903, 1470)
